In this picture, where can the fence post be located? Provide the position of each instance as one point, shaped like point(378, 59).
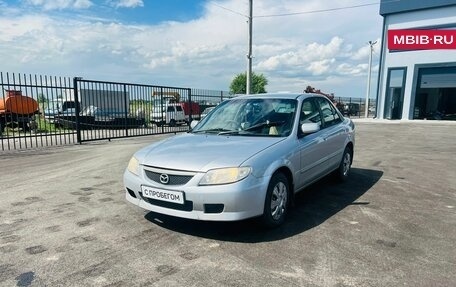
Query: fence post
point(221, 96)
point(127, 108)
point(360, 102)
point(77, 108)
point(190, 113)
point(162, 105)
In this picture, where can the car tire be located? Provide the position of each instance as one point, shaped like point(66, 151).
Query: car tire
point(172, 123)
point(277, 201)
point(343, 171)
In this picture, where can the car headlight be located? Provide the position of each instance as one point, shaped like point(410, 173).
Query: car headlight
point(133, 166)
point(225, 175)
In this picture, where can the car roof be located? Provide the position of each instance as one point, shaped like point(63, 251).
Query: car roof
point(292, 96)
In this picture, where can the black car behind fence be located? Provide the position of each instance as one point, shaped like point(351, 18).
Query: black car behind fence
point(38, 111)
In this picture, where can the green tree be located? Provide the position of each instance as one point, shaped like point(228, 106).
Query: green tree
point(42, 99)
point(238, 84)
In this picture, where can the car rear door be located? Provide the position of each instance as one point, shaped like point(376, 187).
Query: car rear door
point(333, 133)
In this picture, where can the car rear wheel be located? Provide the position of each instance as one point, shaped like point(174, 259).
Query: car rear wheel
point(343, 171)
point(172, 123)
point(277, 201)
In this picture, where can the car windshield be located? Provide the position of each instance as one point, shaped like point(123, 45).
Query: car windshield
point(250, 116)
point(207, 110)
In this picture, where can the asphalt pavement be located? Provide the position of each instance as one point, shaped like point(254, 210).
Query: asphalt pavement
point(64, 221)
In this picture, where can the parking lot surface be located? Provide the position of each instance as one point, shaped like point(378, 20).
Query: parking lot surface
point(64, 221)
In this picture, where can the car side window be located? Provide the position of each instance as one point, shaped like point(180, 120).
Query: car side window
point(309, 112)
point(329, 113)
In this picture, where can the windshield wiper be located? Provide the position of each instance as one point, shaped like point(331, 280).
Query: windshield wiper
point(228, 133)
point(217, 130)
point(264, 124)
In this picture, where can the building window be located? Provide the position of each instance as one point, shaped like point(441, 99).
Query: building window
point(435, 97)
point(394, 99)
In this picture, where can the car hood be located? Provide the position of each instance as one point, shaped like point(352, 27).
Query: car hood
point(198, 152)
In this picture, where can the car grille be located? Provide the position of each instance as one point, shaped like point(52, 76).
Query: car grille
point(175, 177)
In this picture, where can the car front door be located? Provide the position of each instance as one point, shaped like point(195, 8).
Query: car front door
point(311, 149)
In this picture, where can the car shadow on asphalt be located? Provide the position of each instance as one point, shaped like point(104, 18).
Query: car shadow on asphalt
point(312, 207)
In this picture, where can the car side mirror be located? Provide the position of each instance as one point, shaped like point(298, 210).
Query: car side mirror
point(193, 124)
point(309, 128)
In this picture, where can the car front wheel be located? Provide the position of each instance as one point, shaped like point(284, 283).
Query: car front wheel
point(276, 203)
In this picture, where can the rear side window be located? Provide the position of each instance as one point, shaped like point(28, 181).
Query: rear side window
point(329, 113)
point(170, 109)
point(179, 108)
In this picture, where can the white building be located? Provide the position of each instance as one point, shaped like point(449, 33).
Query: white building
point(417, 84)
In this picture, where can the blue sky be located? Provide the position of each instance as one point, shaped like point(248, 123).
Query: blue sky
point(190, 43)
point(156, 11)
point(128, 11)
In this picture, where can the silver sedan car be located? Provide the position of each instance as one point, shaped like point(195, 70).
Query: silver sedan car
point(245, 159)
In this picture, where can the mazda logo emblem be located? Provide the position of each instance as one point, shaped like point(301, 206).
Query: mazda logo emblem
point(164, 178)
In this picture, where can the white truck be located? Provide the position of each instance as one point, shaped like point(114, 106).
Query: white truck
point(170, 109)
point(171, 114)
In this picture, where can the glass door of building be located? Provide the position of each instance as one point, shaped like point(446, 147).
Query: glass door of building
point(394, 99)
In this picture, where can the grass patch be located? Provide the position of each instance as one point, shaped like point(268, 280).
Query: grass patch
point(42, 127)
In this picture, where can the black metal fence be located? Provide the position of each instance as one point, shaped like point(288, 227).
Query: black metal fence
point(22, 119)
point(38, 111)
point(355, 107)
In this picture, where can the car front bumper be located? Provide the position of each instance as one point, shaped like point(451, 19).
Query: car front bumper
point(228, 202)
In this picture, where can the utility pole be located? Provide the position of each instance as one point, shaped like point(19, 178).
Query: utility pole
point(249, 55)
point(371, 47)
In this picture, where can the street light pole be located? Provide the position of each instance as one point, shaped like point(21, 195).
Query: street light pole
point(249, 55)
point(371, 47)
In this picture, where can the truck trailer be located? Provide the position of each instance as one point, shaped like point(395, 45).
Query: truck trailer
point(17, 110)
point(97, 109)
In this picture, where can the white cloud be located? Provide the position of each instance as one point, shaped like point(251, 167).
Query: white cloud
point(82, 4)
point(61, 4)
point(363, 52)
point(127, 3)
point(320, 67)
point(313, 59)
point(346, 69)
point(325, 50)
